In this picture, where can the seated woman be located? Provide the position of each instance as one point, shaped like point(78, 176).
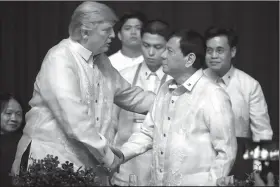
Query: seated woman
point(11, 131)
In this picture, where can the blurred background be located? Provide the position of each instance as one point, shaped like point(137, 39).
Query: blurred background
point(29, 29)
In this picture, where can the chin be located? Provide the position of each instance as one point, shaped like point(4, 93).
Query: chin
point(215, 68)
point(103, 50)
point(165, 70)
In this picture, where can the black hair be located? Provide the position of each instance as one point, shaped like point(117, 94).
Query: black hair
point(191, 42)
point(214, 31)
point(130, 15)
point(158, 27)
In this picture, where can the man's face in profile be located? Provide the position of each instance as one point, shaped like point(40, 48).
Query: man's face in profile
point(100, 37)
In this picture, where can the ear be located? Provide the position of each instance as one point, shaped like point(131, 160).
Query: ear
point(190, 59)
point(84, 34)
point(233, 52)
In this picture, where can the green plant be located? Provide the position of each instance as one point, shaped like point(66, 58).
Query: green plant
point(46, 172)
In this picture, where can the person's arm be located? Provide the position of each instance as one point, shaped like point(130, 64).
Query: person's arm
point(140, 142)
point(113, 129)
point(222, 133)
point(131, 98)
point(259, 118)
point(59, 86)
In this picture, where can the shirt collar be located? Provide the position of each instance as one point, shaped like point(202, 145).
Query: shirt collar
point(213, 76)
point(226, 78)
point(132, 59)
point(189, 84)
point(81, 50)
point(146, 71)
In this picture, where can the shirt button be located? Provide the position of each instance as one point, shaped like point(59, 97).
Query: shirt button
point(164, 135)
point(97, 119)
point(168, 118)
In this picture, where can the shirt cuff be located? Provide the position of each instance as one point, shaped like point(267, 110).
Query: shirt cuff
point(263, 136)
point(128, 153)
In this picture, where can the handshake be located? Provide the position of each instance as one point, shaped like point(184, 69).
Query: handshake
point(118, 160)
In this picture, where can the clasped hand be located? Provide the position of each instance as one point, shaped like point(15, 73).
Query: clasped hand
point(118, 160)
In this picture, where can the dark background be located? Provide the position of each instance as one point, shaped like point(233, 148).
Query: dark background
point(29, 29)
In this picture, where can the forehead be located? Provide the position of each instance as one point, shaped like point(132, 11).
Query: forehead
point(217, 41)
point(132, 21)
point(174, 43)
point(106, 24)
point(153, 39)
point(13, 105)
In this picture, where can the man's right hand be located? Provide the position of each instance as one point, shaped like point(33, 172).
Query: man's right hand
point(118, 160)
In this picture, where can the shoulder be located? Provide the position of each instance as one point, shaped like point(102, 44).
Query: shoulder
point(129, 71)
point(114, 56)
point(242, 75)
point(58, 58)
point(212, 90)
point(59, 53)
point(246, 81)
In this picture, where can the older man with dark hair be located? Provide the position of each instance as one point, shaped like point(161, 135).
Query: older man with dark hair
point(74, 93)
point(190, 127)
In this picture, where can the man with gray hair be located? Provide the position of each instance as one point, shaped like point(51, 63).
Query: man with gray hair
point(74, 92)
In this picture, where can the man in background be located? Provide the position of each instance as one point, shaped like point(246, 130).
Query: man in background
point(149, 76)
point(246, 95)
point(129, 28)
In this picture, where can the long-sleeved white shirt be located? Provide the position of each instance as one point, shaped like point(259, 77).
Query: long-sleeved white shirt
point(191, 133)
point(248, 104)
point(72, 107)
point(126, 123)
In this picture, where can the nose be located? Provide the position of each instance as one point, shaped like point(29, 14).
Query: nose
point(133, 31)
point(163, 55)
point(214, 54)
point(13, 117)
point(112, 34)
point(151, 52)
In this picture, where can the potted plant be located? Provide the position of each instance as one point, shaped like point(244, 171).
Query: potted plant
point(47, 172)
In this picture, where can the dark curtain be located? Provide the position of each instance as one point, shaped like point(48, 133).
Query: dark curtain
point(29, 29)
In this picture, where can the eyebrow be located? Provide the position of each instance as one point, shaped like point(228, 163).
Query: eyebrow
point(169, 47)
point(10, 109)
point(131, 25)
